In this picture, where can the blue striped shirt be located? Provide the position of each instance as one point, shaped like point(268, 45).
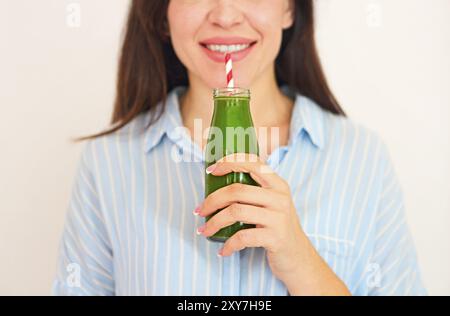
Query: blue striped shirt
point(130, 230)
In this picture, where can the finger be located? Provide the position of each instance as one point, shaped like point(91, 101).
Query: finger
point(253, 237)
point(249, 163)
point(239, 193)
point(237, 212)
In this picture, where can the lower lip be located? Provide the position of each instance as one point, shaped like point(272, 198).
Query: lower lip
point(220, 57)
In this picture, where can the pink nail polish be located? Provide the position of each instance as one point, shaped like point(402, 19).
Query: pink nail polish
point(196, 211)
point(210, 169)
point(201, 229)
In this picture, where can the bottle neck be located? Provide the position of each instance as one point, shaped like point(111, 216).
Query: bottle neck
point(232, 112)
point(224, 103)
point(232, 100)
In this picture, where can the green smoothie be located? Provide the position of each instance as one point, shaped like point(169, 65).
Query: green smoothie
point(232, 131)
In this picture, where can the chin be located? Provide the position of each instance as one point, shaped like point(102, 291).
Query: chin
point(214, 81)
point(221, 82)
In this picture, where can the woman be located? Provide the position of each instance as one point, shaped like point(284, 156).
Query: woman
point(329, 217)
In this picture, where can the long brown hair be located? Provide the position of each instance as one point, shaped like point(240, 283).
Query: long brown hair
point(149, 68)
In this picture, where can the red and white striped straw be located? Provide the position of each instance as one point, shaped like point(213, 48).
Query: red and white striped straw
point(229, 70)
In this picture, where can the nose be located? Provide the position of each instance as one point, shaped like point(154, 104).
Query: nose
point(225, 14)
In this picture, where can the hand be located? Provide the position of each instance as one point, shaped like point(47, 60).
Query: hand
point(271, 209)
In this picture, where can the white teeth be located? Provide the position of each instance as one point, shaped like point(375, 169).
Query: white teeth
point(227, 48)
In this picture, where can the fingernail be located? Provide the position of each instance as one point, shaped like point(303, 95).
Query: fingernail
point(196, 212)
point(219, 253)
point(201, 229)
point(210, 169)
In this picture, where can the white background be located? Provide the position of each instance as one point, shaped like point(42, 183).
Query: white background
point(388, 62)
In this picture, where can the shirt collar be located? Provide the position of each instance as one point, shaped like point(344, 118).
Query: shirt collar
point(307, 116)
point(168, 124)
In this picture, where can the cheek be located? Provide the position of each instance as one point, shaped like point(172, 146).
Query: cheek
point(174, 18)
point(268, 23)
point(182, 34)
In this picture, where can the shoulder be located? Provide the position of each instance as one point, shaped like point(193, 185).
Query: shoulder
point(120, 144)
point(353, 140)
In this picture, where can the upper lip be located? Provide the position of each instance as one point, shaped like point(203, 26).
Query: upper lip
point(230, 40)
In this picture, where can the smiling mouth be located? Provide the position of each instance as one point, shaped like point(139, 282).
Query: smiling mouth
point(224, 49)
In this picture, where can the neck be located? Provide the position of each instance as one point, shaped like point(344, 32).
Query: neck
point(269, 106)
